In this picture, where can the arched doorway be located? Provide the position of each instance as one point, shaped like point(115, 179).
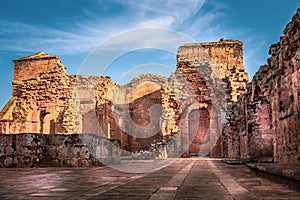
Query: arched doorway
point(198, 127)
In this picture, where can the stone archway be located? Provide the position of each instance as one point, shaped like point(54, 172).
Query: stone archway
point(198, 127)
point(48, 121)
point(34, 121)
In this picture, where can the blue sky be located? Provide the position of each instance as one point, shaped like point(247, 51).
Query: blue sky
point(72, 29)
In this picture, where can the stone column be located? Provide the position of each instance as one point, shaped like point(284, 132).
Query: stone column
point(185, 137)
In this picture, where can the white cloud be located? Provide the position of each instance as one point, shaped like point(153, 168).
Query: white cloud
point(86, 35)
point(162, 12)
point(82, 37)
point(178, 9)
point(26, 37)
point(157, 22)
point(125, 42)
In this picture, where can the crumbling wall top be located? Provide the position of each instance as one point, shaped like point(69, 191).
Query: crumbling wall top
point(30, 66)
point(218, 43)
point(38, 56)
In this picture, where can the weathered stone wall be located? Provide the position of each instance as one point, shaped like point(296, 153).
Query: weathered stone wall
point(284, 75)
point(131, 112)
point(25, 69)
point(248, 133)
point(84, 103)
point(270, 110)
point(56, 150)
point(41, 101)
point(208, 76)
point(148, 109)
point(226, 55)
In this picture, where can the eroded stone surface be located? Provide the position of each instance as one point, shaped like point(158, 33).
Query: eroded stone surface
point(57, 150)
point(264, 123)
point(42, 97)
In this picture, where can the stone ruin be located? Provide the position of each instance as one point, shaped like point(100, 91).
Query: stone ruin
point(206, 107)
point(184, 111)
point(265, 121)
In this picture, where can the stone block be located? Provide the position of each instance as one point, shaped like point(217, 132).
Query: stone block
point(7, 161)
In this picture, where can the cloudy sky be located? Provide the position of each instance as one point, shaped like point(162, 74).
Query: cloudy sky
point(74, 29)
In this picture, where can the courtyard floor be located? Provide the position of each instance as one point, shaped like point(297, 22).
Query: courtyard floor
point(194, 178)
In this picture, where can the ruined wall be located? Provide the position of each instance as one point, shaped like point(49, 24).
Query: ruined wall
point(272, 105)
point(223, 61)
point(131, 112)
point(24, 68)
point(42, 97)
point(283, 91)
point(193, 94)
point(146, 110)
point(208, 76)
point(226, 55)
point(40, 150)
point(84, 103)
point(248, 133)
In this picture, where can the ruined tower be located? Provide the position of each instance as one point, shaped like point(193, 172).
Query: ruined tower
point(209, 77)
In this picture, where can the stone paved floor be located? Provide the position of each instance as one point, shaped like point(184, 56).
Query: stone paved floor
point(196, 178)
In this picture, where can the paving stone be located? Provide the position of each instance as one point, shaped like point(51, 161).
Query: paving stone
point(185, 179)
